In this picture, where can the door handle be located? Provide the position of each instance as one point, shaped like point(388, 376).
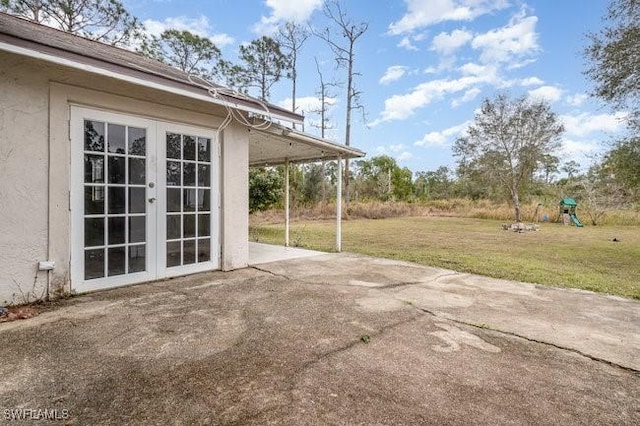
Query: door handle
point(152, 199)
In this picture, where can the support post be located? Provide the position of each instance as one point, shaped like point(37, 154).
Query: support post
point(286, 203)
point(339, 205)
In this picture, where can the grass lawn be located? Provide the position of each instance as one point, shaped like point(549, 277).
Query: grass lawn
point(557, 255)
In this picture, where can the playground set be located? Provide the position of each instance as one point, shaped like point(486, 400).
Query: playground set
point(567, 208)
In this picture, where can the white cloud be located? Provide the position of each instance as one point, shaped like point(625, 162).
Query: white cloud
point(468, 96)
point(422, 13)
point(447, 43)
point(530, 81)
point(307, 104)
point(572, 148)
point(298, 11)
point(405, 155)
point(516, 41)
point(398, 151)
point(584, 124)
point(475, 69)
point(546, 93)
point(199, 26)
point(577, 100)
point(407, 44)
point(443, 137)
point(393, 73)
point(401, 107)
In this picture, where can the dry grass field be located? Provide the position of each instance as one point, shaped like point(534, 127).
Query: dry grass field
point(556, 255)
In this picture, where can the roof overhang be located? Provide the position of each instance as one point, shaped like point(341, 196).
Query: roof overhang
point(50, 54)
point(279, 145)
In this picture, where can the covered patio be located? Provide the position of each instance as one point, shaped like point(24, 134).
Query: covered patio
point(278, 145)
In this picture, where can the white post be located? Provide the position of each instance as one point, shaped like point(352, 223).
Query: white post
point(286, 203)
point(339, 205)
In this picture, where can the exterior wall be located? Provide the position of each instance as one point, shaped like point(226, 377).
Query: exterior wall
point(24, 160)
point(35, 160)
point(235, 197)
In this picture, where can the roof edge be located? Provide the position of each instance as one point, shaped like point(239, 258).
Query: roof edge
point(76, 64)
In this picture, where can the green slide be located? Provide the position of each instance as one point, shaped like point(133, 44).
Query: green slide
point(575, 220)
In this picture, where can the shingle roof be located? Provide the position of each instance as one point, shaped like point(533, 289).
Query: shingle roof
point(29, 35)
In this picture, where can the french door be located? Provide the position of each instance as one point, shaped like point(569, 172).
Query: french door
point(144, 200)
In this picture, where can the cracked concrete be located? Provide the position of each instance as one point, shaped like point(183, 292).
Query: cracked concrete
point(282, 344)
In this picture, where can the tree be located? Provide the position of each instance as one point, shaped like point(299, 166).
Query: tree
point(103, 20)
point(263, 64)
point(434, 184)
point(32, 10)
point(345, 55)
point(622, 163)
point(265, 188)
point(184, 50)
point(325, 101)
point(599, 193)
point(613, 57)
point(571, 168)
point(292, 36)
point(508, 141)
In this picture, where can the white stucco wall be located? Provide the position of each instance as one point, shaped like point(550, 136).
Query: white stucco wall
point(235, 197)
point(35, 166)
point(23, 181)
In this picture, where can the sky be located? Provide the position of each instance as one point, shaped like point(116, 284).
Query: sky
point(424, 66)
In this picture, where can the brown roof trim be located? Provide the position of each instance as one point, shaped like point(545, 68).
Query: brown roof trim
point(50, 41)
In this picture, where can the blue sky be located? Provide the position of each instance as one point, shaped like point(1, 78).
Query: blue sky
point(425, 65)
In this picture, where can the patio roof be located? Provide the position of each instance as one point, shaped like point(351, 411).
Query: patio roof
point(278, 145)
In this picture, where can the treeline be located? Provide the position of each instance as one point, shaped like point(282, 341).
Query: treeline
point(612, 183)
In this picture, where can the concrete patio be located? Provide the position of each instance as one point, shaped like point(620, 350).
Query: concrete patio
point(329, 339)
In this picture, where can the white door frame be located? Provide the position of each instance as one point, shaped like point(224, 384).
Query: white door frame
point(155, 253)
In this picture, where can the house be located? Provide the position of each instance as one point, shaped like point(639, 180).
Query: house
point(117, 169)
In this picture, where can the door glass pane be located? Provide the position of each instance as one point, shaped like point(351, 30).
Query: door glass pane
point(203, 149)
point(204, 200)
point(137, 200)
point(116, 138)
point(116, 261)
point(189, 174)
point(189, 200)
point(204, 221)
point(94, 168)
point(116, 169)
point(93, 136)
point(204, 250)
point(174, 227)
point(173, 146)
point(116, 230)
point(137, 141)
point(137, 173)
point(189, 148)
point(204, 175)
point(116, 200)
point(189, 225)
point(173, 253)
point(173, 200)
point(137, 258)
point(94, 232)
point(173, 173)
point(137, 229)
point(93, 264)
point(189, 254)
point(94, 200)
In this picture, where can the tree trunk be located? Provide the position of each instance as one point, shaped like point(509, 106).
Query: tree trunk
point(516, 203)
